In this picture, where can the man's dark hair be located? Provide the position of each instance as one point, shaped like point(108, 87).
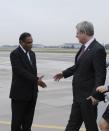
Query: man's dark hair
point(23, 36)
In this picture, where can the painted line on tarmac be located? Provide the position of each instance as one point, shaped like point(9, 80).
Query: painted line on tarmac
point(40, 126)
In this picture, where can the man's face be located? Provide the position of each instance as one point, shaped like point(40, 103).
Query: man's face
point(81, 37)
point(27, 44)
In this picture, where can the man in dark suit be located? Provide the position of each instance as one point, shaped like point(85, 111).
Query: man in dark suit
point(89, 72)
point(24, 87)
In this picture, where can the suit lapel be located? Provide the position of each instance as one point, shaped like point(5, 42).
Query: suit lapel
point(86, 52)
point(24, 58)
point(77, 54)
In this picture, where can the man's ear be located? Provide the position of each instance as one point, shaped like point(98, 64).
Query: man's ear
point(21, 42)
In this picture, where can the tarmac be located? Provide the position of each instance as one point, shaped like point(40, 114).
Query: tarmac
point(54, 102)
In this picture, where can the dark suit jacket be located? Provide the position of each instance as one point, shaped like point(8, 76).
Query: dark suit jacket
point(24, 75)
point(89, 72)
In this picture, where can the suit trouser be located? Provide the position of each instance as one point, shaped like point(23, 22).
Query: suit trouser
point(22, 115)
point(82, 112)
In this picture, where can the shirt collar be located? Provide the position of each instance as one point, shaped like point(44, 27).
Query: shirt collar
point(23, 49)
point(88, 43)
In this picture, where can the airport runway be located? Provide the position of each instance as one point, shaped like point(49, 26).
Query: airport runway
point(54, 102)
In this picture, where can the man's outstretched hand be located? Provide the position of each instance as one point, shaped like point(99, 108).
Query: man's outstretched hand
point(58, 76)
point(41, 83)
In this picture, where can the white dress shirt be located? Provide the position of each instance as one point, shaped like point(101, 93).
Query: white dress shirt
point(25, 52)
point(89, 42)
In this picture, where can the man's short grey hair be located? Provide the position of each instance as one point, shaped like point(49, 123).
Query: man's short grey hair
point(85, 27)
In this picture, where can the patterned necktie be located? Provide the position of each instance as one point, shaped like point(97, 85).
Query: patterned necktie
point(81, 52)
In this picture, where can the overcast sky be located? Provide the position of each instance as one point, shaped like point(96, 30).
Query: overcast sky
point(52, 22)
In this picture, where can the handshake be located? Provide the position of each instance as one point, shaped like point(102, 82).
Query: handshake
point(57, 77)
point(42, 84)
